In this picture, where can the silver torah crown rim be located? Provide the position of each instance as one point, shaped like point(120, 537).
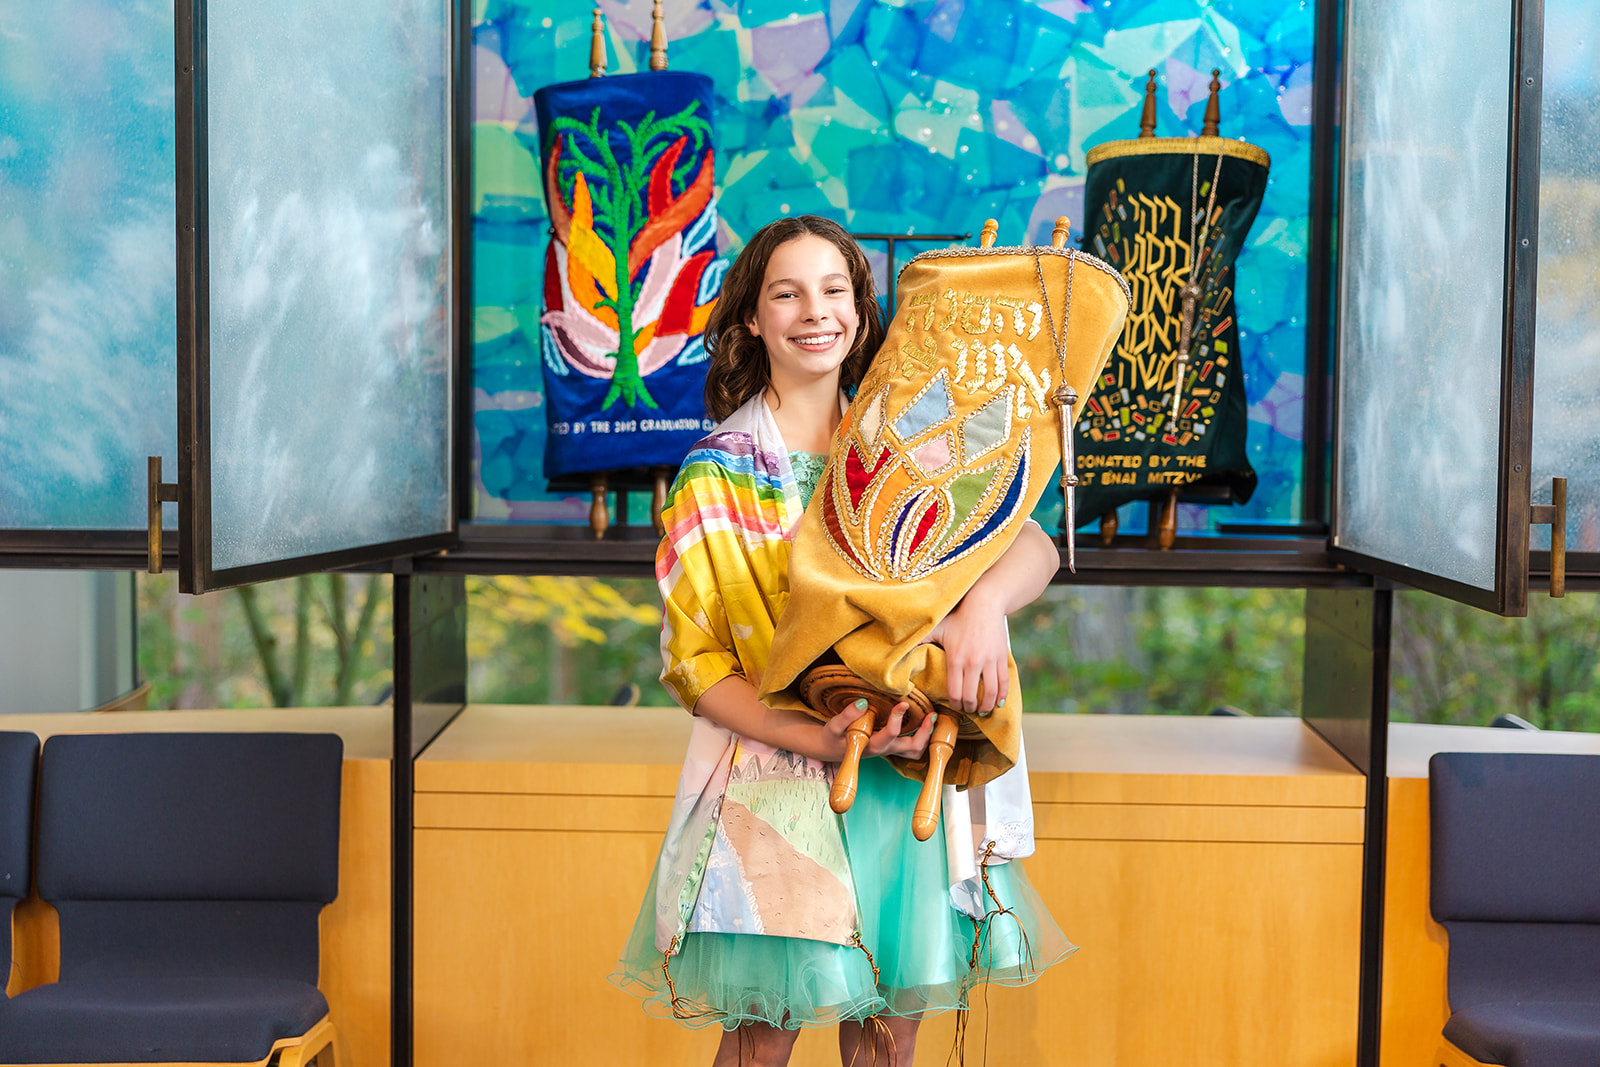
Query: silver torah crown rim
point(1022, 250)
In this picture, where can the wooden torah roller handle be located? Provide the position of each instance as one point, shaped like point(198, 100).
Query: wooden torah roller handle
point(833, 689)
point(943, 742)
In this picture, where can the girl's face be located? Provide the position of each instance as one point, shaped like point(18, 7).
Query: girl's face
point(805, 313)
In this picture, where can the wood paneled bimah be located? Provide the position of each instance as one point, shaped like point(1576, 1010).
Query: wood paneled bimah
point(1210, 870)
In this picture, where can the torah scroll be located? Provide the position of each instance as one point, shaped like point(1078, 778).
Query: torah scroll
point(952, 438)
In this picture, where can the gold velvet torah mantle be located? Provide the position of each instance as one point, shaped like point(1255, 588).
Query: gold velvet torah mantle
point(951, 439)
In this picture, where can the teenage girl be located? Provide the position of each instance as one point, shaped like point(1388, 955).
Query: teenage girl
point(768, 912)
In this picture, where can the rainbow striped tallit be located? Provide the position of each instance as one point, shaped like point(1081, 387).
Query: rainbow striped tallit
point(723, 567)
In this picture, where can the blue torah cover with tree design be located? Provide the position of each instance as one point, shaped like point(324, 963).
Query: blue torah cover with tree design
point(631, 272)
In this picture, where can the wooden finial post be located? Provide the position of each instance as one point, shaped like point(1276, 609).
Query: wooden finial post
point(1147, 120)
point(597, 46)
point(991, 230)
point(1167, 525)
point(1108, 529)
point(1213, 109)
point(599, 518)
point(658, 498)
point(658, 39)
point(1058, 236)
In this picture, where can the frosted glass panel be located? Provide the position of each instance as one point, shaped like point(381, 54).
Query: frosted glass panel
point(87, 279)
point(329, 188)
point(1423, 268)
point(1566, 434)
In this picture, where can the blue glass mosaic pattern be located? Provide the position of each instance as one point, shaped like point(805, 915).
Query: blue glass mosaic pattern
point(87, 275)
point(901, 117)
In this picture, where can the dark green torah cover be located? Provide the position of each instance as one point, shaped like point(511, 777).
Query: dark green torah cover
point(1145, 213)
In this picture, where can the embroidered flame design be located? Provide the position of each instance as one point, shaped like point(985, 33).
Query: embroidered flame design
point(890, 516)
point(631, 274)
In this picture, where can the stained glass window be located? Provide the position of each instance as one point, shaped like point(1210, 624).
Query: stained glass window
point(899, 118)
point(1567, 349)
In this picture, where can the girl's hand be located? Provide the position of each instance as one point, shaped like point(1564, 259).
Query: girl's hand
point(973, 636)
point(886, 741)
point(977, 668)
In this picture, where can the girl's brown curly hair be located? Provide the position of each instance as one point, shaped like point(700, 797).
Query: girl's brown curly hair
point(739, 368)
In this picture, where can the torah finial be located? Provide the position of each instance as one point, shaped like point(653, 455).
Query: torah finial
point(1213, 109)
point(597, 46)
point(1058, 236)
point(658, 39)
point(1147, 119)
point(991, 229)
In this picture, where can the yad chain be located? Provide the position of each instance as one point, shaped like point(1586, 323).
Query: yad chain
point(1058, 338)
point(1066, 399)
point(1211, 203)
point(1191, 287)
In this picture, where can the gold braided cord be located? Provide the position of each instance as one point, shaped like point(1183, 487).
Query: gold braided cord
point(958, 1048)
point(855, 939)
point(875, 1032)
point(1023, 250)
point(1179, 146)
point(683, 1008)
point(980, 927)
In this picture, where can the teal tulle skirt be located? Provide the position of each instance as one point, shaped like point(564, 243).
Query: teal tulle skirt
point(923, 948)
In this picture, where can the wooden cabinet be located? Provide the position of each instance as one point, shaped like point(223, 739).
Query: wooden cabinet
point(1208, 868)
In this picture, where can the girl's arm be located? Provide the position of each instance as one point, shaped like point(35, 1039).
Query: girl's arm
point(732, 704)
point(974, 634)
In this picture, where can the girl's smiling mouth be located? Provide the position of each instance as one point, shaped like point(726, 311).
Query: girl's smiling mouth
point(816, 340)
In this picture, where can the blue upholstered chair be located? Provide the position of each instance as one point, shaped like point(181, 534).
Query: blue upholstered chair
point(189, 872)
point(1516, 884)
point(19, 758)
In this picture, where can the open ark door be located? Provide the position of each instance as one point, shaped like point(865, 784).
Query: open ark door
point(1439, 214)
point(1566, 432)
point(319, 281)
